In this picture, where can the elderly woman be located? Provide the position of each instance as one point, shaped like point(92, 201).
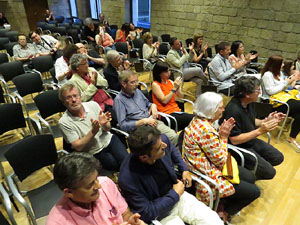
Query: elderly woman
point(87, 80)
point(149, 49)
point(164, 91)
point(90, 31)
point(205, 151)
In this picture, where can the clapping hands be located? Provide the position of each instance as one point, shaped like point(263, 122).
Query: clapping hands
point(225, 128)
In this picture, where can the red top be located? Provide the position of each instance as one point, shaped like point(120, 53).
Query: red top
point(123, 37)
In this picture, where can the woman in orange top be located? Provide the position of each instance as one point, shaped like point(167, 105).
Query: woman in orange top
point(163, 94)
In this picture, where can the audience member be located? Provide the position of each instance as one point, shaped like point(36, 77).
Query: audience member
point(297, 63)
point(178, 58)
point(288, 70)
point(133, 109)
point(3, 20)
point(247, 128)
point(104, 39)
point(87, 80)
point(46, 44)
point(205, 151)
point(94, 58)
point(151, 187)
point(62, 66)
point(163, 94)
point(49, 16)
point(122, 33)
point(114, 67)
point(103, 20)
point(275, 86)
point(222, 72)
point(200, 51)
point(88, 198)
point(86, 128)
point(24, 51)
point(90, 31)
point(134, 33)
point(149, 49)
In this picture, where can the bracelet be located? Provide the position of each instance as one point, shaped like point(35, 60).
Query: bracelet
point(174, 90)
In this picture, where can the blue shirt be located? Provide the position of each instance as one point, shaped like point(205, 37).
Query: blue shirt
point(131, 108)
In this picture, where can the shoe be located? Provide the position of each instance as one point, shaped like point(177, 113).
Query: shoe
point(295, 144)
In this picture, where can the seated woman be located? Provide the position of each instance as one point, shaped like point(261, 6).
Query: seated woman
point(134, 33)
point(87, 80)
point(122, 33)
point(297, 63)
point(237, 56)
point(90, 30)
point(274, 83)
point(205, 151)
point(149, 49)
point(163, 94)
point(104, 39)
point(288, 70)
point(200, 51)
point(62, 64)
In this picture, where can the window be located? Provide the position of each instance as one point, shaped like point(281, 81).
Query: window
point(141, 12)
point(95, 6)
point(73, 7)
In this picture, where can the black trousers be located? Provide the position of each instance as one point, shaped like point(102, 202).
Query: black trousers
point(183, 120)
point(294, 113)
point(245, 192)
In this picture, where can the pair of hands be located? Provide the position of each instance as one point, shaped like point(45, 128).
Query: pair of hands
point(271, 122)
point(293, 78)
point(103, 119)
point(155, 45)
point(226, 127)
point(125, 65)
point(153, 113)
point(133, 220)
point(186, 182)
point(177, 82)
point(251, 56)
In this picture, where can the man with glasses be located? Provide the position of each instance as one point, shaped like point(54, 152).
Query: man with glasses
point(86, 128)
point(248, 128)
point(94, 58)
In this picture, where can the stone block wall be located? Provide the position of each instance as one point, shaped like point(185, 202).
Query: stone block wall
point(268, 26)
point(114, 11)
point(59, 7)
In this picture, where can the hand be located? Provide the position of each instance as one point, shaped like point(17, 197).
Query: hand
point(95, 126)
point(157, 45)
point(153, 111)
point(177, 82)
point(135, 219)
point(127, 64)
point(187, 178)
point(94, 77)
point(30, 56)
point(150, 121)
point(179, 187)
point(204, 48)
point(191, 46)
point(279, 116)
point(183, 50)
point(267, 126)
point(226, 127)
point(104, 118)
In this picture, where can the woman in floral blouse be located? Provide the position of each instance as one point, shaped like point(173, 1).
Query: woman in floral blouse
point(205, 151)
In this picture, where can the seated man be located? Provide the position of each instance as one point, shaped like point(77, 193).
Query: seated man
point(151, 187)
point(48, 16)
point(115, 65)
point(247, 128)
point(178, 58)
point(93, 57)
point(86, 128)
point(222, 72)
point(87, 199)
point(24, 51)
point(46, 44)
point(133, 109)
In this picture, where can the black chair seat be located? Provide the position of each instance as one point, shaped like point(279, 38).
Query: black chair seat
point(44, 198)
point(3, 221)
point(56, 131)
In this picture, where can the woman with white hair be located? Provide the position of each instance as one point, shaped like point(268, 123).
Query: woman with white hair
point(90, 31)
point(205, 151)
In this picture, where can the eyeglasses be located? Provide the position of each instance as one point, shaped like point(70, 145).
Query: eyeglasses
point(83, 64)
point(257, 90)
point(70, 97)
point(133, 82)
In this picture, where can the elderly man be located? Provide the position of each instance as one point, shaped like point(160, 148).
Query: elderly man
point(222, 72)
point(93, 57)
point(151, 187)
point(24, 51)
point(115, 65)
point(133, 109)
point(46, 44)
point(247, 128)
point(86, 128)
point(178, 58)
point(88, 198)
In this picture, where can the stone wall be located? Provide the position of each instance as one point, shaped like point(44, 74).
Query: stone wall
point(59, 7)
point(114, 11)
point(269, 26)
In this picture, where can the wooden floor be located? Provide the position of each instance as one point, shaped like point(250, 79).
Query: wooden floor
point(278, 204)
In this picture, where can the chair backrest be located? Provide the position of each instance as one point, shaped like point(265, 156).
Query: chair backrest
point(9, 47)
point(3, 58)
point(188, 41)
point(2, 100)
point(59, 19)
point(138, 43)
point(31, 154)
point(53, 74)
point(2, 32)
point(262, 110)
point(209, 52)
point(42, 63)
point(3, 41)
point(61, 30)
point(28, 83)
point(12, 36)
point(155, 39)
point(42, 25)
point(74, 33)
point(10, 70)
point(11, 117)
point(48, 103)
point(164, 48)
point(122, 47)
point(114, 27)
point(165, 37)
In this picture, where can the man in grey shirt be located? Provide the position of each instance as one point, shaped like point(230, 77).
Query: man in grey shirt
point(46, 44)
point(24, 51)
point(133, 109)
point(221, 72)
point(86, 128)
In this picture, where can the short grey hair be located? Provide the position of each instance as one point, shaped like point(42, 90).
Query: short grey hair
point(76, 60)
point(125, 74)
point(87, 21)
point(207, 105)
point(111, 55)
point(66, 87)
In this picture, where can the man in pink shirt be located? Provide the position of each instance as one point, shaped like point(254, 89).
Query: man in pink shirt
point(88, 199)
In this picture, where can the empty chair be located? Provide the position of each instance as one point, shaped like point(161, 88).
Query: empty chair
point(2, 32)
point(9, 47)
point(188, 41)
point(3, 58)
point(122, 47)
point(50, 27)
point(3, 41)
point(138, 43)
point(74, 33)
point(59, 19)
point(43, 64)
point(164, 48)
point(7, 206)
point(10, 70)
point(12, 36)
point(26, 157)
point(42, 25)
point(165, 37)
point(61, 30)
